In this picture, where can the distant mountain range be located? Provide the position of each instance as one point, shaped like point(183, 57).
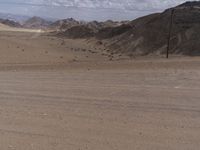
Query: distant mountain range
point(36, 22)
point(20, 18)
point(16, 18)
point(142, 36)
point(10, 23)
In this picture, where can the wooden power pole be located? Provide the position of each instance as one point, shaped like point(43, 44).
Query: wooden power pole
point(170, 32)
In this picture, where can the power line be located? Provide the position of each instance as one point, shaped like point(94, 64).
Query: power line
point(28, 4)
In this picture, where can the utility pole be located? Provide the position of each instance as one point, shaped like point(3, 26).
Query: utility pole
point(170, 32)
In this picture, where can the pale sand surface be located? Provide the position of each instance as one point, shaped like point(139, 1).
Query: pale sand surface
point(49, 101)
point(7, 28)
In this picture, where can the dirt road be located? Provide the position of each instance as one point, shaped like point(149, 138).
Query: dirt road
point(100, 109)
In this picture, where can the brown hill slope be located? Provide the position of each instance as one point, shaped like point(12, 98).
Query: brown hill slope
point(80, 31)
point(149, 34)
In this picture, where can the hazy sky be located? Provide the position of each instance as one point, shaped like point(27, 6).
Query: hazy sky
point(87, 9)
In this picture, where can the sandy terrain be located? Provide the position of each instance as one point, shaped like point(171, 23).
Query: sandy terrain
point(55, 96)
point(7, 28)
point(21, 47)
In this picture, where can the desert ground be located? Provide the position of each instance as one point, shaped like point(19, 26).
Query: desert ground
point(64, 94)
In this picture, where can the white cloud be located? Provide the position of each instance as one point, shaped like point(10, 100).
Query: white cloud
point(116, 4)
point(95, 9)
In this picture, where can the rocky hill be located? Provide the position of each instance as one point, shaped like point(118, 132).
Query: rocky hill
point(65, 24)
point(80, 31)
point(190, 4)
point(97, 26)
point(149, 34)
point(36, 23)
